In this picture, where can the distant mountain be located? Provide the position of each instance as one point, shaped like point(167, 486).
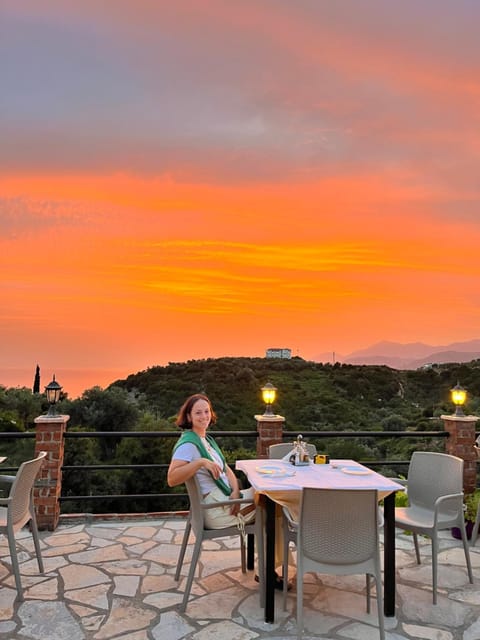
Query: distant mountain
point(442, 357)
point(408, 356)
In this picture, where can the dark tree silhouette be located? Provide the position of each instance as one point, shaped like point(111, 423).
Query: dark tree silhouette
point(36, 382)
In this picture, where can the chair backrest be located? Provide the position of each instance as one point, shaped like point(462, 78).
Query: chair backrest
point(21, 490)
point(339, 526)
point(431, 475)
point(277, 451)
point(197, 518)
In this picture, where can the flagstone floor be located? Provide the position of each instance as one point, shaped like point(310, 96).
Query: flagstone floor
point(115, 580)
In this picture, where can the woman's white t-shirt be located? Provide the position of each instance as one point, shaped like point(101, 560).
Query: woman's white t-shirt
point(189, 452)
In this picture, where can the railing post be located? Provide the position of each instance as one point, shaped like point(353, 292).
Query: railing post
point(48, 487)
point(270, 431)
point(461, 443)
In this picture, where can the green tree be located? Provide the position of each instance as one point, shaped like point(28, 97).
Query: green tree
point(24, 405)
point(112, 409)
point(394, 422)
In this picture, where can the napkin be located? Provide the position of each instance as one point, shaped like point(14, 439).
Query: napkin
point(286, 458)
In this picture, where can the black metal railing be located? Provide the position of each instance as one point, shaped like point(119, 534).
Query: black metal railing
point(165, 498)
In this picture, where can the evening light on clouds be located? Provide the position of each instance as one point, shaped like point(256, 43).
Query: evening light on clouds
point(183, 180)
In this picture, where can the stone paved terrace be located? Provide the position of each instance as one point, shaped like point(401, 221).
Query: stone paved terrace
point(107, 580)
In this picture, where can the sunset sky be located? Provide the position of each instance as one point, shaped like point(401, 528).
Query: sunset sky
point(192, 179)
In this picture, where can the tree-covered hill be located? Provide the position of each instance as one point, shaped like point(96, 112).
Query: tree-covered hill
point(311, 396)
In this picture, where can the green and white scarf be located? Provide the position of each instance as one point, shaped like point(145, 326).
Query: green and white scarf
point(192, 438)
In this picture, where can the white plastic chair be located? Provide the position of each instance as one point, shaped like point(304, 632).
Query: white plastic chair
point(277, 451)
point(183, 547)
point(435, 496)
point(289, 527)
point(197, 524)
point(19, 510)
point(338, 534)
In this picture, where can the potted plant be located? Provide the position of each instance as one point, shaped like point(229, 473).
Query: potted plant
point(470, 502)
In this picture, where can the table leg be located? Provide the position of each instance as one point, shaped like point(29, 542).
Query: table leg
point(250, 551)
point(389, 555)
point(270, 560)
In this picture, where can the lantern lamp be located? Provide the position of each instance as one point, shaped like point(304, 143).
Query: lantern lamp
point(53, 391)
point(459, 395)
point(269, 393)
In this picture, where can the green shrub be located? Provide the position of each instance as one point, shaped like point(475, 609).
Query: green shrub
point(401, 499)
point(471, 501)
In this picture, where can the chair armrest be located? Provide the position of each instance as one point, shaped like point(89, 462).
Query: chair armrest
point(5, 501)
point(227, 503)
point(450, 496)
point(7, 479)
point(440, 502)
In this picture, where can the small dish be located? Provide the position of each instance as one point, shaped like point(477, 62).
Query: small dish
point(356, 471)
point(275, 471)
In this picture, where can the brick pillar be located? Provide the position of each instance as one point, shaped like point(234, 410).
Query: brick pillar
point(461, 443)
point(48, 487)
point(270, 431)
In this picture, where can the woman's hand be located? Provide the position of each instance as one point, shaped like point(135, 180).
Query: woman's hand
point(212, 467)
point(232, 479)
point(237, 506)
point(180, 471)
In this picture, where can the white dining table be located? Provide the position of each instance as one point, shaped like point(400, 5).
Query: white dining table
point(282, 483)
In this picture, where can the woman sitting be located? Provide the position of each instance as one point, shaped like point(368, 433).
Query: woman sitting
point(197, 453)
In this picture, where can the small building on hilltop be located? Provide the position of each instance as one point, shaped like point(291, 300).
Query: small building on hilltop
point(279, 353)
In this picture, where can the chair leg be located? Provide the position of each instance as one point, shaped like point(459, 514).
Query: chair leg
point(434, 566)
point(285, 561)
point(191, 573)
point(476, 526)
point(183, 548)
point(381, 619)
point(417, 549)
point(299, 601)
point(467, 552)
point(36, 542)
point(260, 539)
point(16, 569)
point(367, 579)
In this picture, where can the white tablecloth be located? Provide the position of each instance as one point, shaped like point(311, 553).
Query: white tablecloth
point(286, 489)
point(322, 476)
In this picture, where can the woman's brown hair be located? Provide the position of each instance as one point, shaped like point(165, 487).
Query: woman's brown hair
point(183, 421)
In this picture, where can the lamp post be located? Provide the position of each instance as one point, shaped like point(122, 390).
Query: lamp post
point(461, 438)
point(459, 395)
point(53, 391)
point(269, 425)
point(269, 393)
